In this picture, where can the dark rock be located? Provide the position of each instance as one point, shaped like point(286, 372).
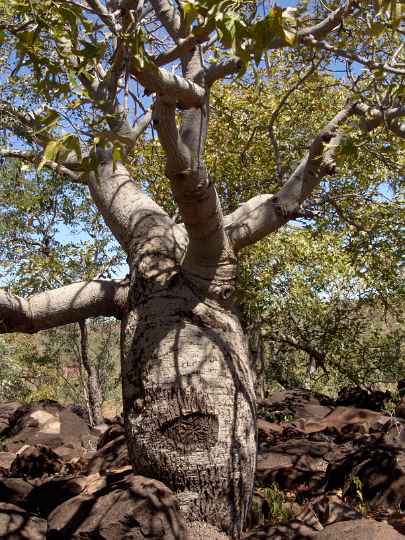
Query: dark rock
point(6, 459)
point(36, 461)
point(343, 420)
point(400, 408)
point(331, 509)
point(14, 490)
point(291, 404)
point(49, 424)
point(114, 431)
point(291, 530)
point(362, 398)
point(17, 524)
point(51, 493)
point(132, 508)
point(361, 529)
point(7, 410)
point(80, 411)
point(114, 454)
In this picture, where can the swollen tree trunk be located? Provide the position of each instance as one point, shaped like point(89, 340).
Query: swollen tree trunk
point(93, 387)
point(189, 400)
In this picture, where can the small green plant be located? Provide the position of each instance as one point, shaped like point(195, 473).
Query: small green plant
point(277, 502)
point(391, 405)
point(361, 505)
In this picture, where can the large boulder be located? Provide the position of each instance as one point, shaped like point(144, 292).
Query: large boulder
point(48, 423)
point(343, 420)
point(17, 524)
point(132, 508)
point(359, 529)
point(49, 494)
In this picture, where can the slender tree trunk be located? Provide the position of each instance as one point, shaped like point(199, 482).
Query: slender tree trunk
point(258, 362)
point(93, 388)
point(189, 401)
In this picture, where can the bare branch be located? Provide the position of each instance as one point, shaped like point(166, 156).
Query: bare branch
point(183, 46)
point(57, 307)
point(219, 71)
point(320, 30)
point(353, 57)
point(33, 158)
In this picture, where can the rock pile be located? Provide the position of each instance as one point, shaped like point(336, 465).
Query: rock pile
point(325, 470)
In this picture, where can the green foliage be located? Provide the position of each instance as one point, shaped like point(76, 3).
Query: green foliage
point(357, 488)
point(47, 365)
point(40, 216)
point(277, 502)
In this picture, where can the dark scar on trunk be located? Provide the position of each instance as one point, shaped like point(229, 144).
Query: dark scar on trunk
point(194, 431)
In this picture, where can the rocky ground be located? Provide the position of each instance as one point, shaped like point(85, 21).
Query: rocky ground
point(326, 470)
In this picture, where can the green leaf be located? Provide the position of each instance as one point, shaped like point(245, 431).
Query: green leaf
point(50, 153)
point(117, 155)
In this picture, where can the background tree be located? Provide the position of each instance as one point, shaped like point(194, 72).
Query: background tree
point(50, 235)
point(187, 384)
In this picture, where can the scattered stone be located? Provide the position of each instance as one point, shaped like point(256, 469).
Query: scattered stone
point(35, 462)
point(112, 455)
point(6, 459)
point(362, 398)
point(47, 423)
point(17, 524)
point(7, 410)
point(14, 490)
point(360, 529)
point(114, 431)
point(298, 403)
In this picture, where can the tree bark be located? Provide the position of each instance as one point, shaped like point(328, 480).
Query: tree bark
point(93, 387)
point(189, 400)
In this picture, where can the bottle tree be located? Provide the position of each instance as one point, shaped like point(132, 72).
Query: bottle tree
point(187, 384)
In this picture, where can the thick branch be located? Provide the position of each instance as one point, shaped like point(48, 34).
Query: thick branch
point(192, 188)
point(171, 88)
point(168, 16)
point(140, 225)
point(267, 213)
point(66, 305)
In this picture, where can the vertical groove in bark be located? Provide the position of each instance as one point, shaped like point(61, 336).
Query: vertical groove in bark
point(93, 387)
point(189, 401)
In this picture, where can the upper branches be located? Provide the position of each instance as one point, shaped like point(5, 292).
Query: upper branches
point(266, 213)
